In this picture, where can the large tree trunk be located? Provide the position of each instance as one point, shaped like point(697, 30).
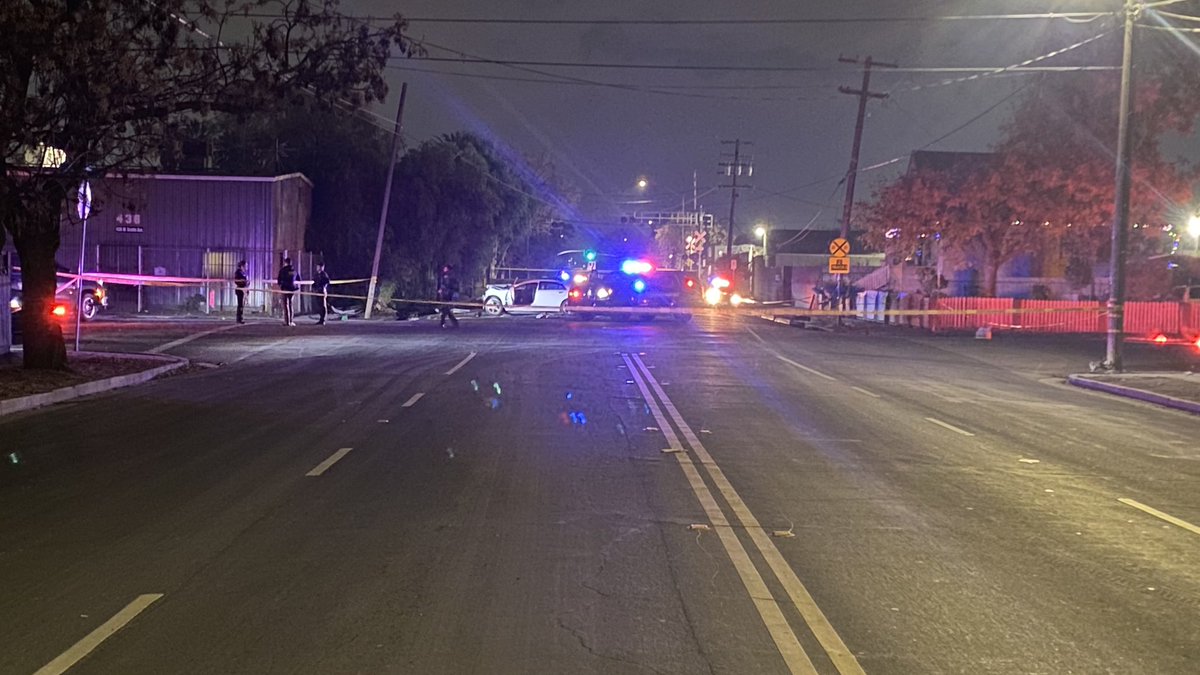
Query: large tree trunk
point(35, 235)
point(991, 271)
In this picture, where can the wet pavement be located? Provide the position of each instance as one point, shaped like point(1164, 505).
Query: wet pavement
point(546, 495)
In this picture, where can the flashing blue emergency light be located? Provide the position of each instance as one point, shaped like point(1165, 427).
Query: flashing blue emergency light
point(639, 285)
point(564, 275)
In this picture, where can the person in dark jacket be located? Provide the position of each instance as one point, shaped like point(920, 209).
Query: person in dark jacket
point(321, 289)
point(287, 287)
point(446, 290)
point(240, 282)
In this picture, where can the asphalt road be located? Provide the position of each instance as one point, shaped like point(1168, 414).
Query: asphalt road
point(551, 496)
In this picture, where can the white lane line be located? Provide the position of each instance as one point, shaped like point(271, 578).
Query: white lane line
point(864, 391)
point(756, 335)
point(186, 339)
point(768, 609)
point(324, 466)
point(461, 364)
point(839, 654)
point(1159, 514)
point(412, 401)
point(80, 649)
point(805, 368)
point(951, 427)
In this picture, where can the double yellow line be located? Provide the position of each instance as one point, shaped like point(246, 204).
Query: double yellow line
point(767, 605)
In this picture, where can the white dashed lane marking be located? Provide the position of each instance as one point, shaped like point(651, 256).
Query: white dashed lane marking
point(951, 427)
point(80, 649)
point(324, 466)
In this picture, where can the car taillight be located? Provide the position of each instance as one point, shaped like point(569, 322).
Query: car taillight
point(59, 310)
point(691, 283)
point(575, 293)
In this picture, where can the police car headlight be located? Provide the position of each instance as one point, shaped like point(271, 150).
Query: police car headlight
point(603, 293)
point(14, 304)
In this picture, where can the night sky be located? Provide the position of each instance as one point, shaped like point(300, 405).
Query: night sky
point(603, 138)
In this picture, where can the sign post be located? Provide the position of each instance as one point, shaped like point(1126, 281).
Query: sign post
point(85, 210)
point(839, 265)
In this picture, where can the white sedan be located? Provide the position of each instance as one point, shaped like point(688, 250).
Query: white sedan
point(536, 296)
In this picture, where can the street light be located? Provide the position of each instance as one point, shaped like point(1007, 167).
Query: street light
point(761, 232)
point(642, 183)
point(1193, 228)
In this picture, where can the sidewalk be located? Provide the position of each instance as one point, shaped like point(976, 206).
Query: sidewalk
point(1174, 390)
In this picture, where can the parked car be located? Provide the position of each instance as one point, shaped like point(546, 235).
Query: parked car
point(533, 296)
point(95, 297)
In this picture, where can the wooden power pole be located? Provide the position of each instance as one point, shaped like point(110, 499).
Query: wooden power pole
point(741, 165)
point(863, 95)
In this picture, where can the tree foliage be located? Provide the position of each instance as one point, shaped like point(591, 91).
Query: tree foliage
point(1049, 185)
point(105, 81)
point(343, 154)
point(459, 200)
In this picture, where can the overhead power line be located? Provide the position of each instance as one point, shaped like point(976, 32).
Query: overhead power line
point(814, 21)
point(754, 69)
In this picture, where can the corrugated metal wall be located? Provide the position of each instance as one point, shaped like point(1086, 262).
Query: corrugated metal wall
point(191, 226)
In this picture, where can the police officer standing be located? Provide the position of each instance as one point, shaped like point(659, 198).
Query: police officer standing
point(321, 288)
point(446, 290)
point(240, 282)
point(287, 287)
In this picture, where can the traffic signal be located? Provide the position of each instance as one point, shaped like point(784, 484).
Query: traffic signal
point(589, 255)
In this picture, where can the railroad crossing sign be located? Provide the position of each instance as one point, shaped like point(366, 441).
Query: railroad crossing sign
point(839, 265)
point(839, 248)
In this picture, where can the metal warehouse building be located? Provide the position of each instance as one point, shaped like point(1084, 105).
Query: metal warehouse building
point(194, 226)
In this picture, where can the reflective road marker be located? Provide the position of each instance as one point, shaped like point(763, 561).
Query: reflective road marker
point(324, 466)
point(93, 639)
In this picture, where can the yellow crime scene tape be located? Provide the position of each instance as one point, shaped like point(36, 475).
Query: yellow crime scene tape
point(746, 308)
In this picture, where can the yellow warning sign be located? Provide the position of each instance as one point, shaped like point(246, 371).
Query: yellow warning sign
point(839, 265)
point(839, 248)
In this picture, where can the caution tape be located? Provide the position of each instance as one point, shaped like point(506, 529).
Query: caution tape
point(749, 308)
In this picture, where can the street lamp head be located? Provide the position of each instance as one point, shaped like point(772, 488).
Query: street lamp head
point(1193, 226)
point(642, 183)
point(760, 231)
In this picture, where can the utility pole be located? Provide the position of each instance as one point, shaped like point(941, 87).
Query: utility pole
point(863, 95)
point(1120, 227)
point(740, 164)
point(387, 199)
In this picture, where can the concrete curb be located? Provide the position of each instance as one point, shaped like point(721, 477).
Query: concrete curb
point(1130, 392)
point(24, 403)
